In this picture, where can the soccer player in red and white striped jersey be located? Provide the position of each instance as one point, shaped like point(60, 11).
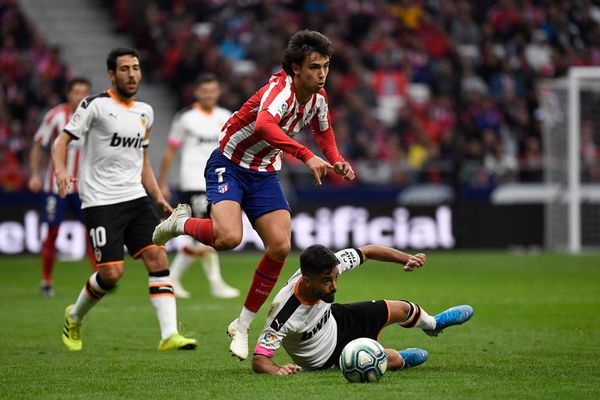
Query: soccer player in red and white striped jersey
point(241, 174)
point(54, 207)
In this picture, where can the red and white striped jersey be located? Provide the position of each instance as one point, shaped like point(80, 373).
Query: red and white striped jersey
point(243, 146)
point(53, 123)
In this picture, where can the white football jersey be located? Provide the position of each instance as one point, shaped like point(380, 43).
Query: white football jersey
point(307, 331)
point(197, 133)
point(114, 137)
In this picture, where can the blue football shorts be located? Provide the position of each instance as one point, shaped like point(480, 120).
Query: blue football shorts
point(257, 192)
point(55, 208)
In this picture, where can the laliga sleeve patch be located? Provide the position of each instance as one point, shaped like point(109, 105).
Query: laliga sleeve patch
point(269, 341)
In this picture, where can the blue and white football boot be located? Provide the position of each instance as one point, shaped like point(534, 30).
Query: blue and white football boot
point(452, 316)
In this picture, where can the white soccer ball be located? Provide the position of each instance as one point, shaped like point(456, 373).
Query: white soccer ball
point(363, 360)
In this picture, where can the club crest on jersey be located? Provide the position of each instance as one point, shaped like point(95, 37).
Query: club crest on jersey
point(124, 141)
point(282, 108)
point(144, 120)
point(97, 255)
point(76, 118)
point(222, 188)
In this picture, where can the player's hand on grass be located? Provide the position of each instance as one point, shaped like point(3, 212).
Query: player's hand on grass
point(288, 369)
point(318, 167)
point(415, 261)
point(344, 169)
point(64, 181)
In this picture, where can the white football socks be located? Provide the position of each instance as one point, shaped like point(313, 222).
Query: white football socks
point(162, 298)
point(246, 317)
point(212, 269)
point(91, 293)
point(181, 263)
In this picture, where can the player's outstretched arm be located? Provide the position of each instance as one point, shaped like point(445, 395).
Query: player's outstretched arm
point(264, 365)
point(59, 157)
point(149, 182)
point(388, 254)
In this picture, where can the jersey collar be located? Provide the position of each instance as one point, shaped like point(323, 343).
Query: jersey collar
point(299, 297)
point(115, 98)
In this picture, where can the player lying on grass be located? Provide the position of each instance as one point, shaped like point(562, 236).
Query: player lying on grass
point(314, 331)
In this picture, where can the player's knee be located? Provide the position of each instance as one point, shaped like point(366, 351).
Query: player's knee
point(228, 240)
point(111, 274)
point(155, 259)
point(398, 310)
point(279, 250)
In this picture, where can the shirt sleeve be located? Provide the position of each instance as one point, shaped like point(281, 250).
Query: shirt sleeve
point(44, 133)
point(266, 126)
point(323, 133)
point(269, 342)
point(350, 259)
point(81, 120)
point(176, 132)
point(277, 99)
point(148, 121)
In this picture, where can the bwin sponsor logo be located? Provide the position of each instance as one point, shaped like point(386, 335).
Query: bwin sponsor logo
point(309, 334)
point(119, 141)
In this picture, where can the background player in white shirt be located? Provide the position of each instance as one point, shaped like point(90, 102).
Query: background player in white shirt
point(195, 130)
point(114, 177)
point(43, 180)
point(314, 331)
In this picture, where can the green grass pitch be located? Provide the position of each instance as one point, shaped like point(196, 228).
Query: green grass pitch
point(535, 333)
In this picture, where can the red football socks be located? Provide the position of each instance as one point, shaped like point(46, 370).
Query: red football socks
point(200, 229)
point(265, 277)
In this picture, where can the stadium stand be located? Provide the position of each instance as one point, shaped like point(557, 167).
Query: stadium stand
point(424, 91)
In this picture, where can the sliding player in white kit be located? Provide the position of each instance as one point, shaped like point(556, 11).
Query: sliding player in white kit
point(196, 131)
point(115, 174)
point(314, 331)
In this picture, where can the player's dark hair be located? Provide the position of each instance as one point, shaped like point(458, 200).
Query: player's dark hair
point(316, 259)
point(78, 81)
point(301, 45)
point(111, 59)
point(206, 78)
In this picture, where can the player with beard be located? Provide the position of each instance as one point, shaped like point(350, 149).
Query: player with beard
point(313, 330)
point(115, 177)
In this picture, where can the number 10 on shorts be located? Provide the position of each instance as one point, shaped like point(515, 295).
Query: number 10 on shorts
point(98, 236)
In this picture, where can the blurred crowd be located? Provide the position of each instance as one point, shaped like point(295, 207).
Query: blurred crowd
point(33, 78)
point(421, 91)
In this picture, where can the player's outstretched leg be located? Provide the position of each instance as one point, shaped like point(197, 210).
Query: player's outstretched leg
point(407, 358)
point(413, 356)
point(265, 277)
point(172, 226)
point(95, 288)
point(162, 297)
point(71, 331)
point(450, 317)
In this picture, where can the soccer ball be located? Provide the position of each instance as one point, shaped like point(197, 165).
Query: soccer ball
point(363, 360)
